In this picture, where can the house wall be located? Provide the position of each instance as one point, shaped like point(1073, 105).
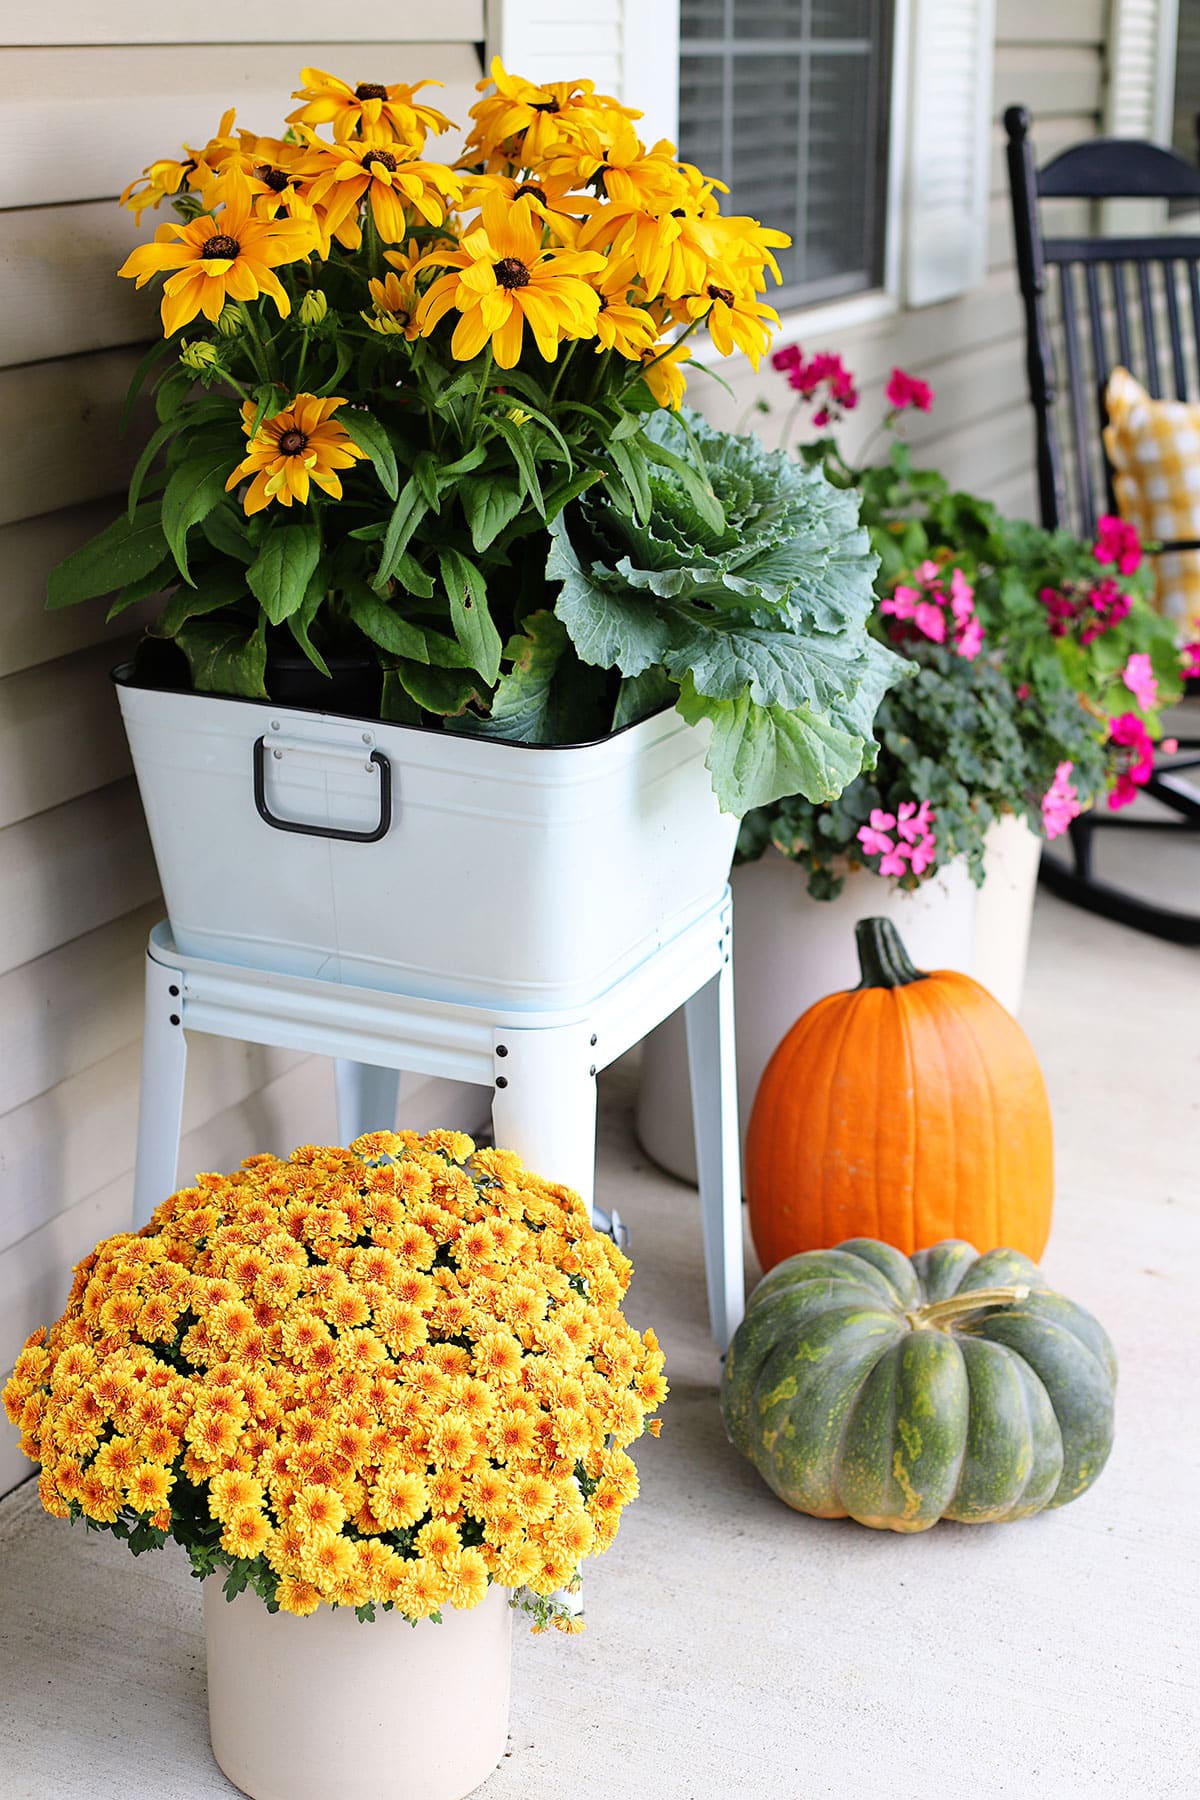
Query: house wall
point(79, 116)
point(970, 349)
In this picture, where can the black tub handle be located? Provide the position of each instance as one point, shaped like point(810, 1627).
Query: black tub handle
point(325, 831)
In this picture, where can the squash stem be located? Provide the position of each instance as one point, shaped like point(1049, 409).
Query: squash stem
point(937, 1314)
point(884, 961)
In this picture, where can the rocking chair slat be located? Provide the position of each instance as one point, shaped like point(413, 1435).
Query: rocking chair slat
point(1178, 367)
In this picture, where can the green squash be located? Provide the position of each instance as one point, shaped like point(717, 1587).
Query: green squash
point(902, 1391)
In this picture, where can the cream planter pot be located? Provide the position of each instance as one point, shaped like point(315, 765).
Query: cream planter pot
point(326, 1708)
point(790, 951)
point(441, 866)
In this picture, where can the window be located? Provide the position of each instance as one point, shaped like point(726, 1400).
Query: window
point(1185, 123)
point(787, 101)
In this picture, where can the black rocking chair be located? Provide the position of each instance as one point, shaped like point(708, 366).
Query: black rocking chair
point(1162, 273)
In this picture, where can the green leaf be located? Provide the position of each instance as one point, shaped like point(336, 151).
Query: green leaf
point(223, 587)
point(409, 510)
point(701, 491)
point(154, 354)
point(609, 625)
point(640, 695)
point(384, 626)
point(161, 576)
point(445, 691)
point(225, 658)
point(631, 464)
point(426, 473)
point(225, 529)
point(157, 439)
point(763, 753)
point(490, 504)
point(123, 552)
point(279, 576)
point(300, 621)
point(369, 435)
point(412, 577)
point(474, 628)
point(518, 443)
point(522, 711)
point(195, 488)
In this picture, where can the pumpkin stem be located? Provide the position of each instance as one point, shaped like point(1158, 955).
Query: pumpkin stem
point(938, 1314)
point(884, 961)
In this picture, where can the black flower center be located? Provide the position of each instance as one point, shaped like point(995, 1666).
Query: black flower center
point(370, 90)
point(528, 187)
point(275, 179)
point(384, 158)
point(720, 293)
point(220, 247)
point(604, 303)
point(678, 212)
point(550, 106)
point(511, 272)
point(292, 442)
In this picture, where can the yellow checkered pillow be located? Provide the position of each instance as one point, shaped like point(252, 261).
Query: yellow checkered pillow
point(1153, 447)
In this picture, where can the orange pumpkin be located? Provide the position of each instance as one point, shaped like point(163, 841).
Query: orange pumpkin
point(910, 1109)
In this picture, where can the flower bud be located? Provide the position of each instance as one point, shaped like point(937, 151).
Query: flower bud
point(313, 307)
point(229, 321)
point(198, 356)
point(518, 415)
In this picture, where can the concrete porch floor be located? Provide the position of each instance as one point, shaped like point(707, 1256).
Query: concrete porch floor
point(735, 1648)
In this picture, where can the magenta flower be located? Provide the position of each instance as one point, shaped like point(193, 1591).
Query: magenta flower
point(927, 607)
point(1060, 802)
point(1190, 655)
point(1117, 542)
point(1133, 761)
point(970, 640)
point(822, 378)
point(916, 845)
point(903, 391)
point(1139, 678)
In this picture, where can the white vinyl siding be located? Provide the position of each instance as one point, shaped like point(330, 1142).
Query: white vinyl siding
point(93, 92)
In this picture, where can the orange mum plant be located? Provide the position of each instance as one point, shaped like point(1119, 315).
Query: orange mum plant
point(383, 1376)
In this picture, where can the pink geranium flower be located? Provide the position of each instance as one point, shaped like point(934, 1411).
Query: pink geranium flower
point(1060, 802)
point(1139, 678)
point(822, 377)
point(914, 845)
point(903, 391)
point(1133, 760)
point(933, 606)
point(1190, 655)
point(1117, 542)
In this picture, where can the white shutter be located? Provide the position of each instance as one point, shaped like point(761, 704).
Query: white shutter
point(946, 156)
point(1141, 69)
point(629, 48)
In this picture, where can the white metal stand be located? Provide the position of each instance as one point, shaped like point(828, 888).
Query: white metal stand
point(541, 1066)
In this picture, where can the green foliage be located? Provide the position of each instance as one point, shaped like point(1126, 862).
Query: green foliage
point(540, 554)
point(749, 590)
point(978, 738)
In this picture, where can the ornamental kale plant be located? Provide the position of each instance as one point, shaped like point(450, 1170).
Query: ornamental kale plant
point(746, 598)
point(1043, 668)
point(405, 384)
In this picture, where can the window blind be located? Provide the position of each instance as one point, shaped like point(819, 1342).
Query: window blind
point(786, 101)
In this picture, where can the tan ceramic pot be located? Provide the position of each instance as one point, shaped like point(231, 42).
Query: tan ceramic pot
point(326, 1708)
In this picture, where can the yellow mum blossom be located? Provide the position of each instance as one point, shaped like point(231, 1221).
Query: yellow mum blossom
point(346, 1468)
point(372, 111)
point(302, 444)
point(507, 280)
point(209, 260)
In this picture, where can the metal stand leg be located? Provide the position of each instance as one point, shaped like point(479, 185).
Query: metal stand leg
point(544, 1103)
point(160, 1107)
point(366, 1098)
point(713, 1071)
